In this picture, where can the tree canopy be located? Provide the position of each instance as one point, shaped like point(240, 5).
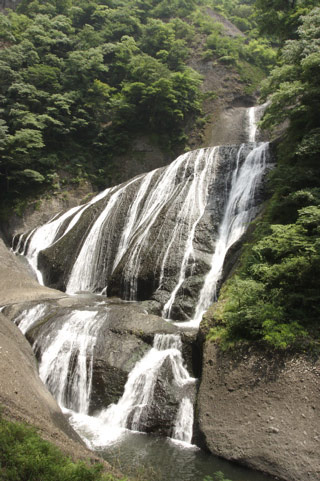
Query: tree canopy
point(80, 79)
point(275, 295)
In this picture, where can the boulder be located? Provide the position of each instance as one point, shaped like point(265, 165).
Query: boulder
point(262, 410)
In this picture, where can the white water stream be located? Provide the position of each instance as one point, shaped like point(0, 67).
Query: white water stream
point(113, 422)
point(66, 361)
point(47, 234)
point(67, 356)
point(238, 214)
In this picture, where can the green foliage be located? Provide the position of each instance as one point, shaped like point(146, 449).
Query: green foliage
point(79, 79)
point(218, 476)
point(294, 86)
point(25, 456)
point(275, 297)
point(280, 18)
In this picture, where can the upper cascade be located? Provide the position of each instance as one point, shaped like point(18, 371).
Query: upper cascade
point(163, 235)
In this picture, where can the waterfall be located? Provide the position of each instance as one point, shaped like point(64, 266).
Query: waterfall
point(183, 428)
point(43, 237)
point(252, 124)
point(138, 394)
point(239, 212)
point(66, 361)
point(46, 235)
point(173, 183)
point(158, 235)
point(83, 276)
point(65, 348)
point(66, 354)
point(192, 209)
point(163, 236)
point(28, 317)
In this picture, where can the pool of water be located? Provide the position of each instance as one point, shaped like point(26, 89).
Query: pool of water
point(161, 459)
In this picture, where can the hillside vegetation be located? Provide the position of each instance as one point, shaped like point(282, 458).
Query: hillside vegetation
point(81, 79)
point(275, 296)
point(25, 456)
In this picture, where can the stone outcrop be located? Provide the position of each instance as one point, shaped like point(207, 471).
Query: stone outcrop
point(262, 410)
point(16, 282)
point(46, 207)
point(125, 335)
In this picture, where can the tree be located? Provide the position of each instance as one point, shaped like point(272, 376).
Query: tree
point(280, 18)
point(294, 86)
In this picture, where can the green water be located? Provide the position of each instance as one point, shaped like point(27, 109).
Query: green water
point(161, 459)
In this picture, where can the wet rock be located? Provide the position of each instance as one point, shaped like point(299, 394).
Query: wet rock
point(140, 254)
point(161, 412)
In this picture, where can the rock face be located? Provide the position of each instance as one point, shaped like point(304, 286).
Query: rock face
point(22, 395)
point(45, 208)
point(262, 410)
point(123, 335)
point(152, 237)
point(16, 281)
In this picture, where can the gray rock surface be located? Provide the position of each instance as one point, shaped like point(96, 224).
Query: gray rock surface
point(262, 410)
point(23, 397)
point(45, 208)
point(16, 282)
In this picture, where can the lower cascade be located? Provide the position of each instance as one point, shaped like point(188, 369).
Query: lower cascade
point(65, 350)
point(133, 407)
point(161, 240)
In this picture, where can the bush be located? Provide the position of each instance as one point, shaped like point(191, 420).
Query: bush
point(24, 456)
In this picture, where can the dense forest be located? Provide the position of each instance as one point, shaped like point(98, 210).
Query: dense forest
point(80, 79)
point(275, 296)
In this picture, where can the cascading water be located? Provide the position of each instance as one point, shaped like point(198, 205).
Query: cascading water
point(46, 235)
point(28, 317)
point(238, 214)
point(166, 234)
point(66, 362)
point(66, 354)
point(131, 410)
point(84, 272)
point(159, 234)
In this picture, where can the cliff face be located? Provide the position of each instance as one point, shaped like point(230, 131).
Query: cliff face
point(262, 410)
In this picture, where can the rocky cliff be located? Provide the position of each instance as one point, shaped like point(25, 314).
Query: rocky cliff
point(262, 409)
